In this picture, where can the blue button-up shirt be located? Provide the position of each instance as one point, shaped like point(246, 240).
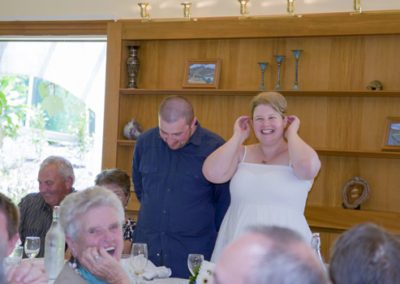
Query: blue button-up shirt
point(180, 210)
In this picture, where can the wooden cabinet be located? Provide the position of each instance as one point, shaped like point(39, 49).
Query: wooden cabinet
point(342, 53)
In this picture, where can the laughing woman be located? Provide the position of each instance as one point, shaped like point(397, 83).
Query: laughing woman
point(270, 180)
point(92, 221)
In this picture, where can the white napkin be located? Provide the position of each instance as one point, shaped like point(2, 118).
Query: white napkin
point(150, 272)
point(156, 272)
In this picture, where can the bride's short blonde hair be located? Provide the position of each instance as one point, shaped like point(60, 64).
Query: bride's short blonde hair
point(274, 99)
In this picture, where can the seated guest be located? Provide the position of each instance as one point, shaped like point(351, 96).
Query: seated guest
point(119, 182)
point(92, 221)
point(365, 254)
point(25, 272)
point(269, 255)
point(55, 178)
point(2, 255)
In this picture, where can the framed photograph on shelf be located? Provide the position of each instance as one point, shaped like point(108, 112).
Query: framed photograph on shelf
point(202, 73)
point(392, 134)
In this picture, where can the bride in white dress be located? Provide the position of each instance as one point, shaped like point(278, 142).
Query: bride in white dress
point(270, 180)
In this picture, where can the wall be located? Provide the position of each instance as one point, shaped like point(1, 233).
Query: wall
point(127, 9)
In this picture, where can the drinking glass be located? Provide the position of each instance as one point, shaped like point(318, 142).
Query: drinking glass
point(139, 258)
point(32, 246)
point(194, 262)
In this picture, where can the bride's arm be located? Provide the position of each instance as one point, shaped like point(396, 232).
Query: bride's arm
point(304, 159)
point(220, 165)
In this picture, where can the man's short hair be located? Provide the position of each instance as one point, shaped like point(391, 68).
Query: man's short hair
point(365, 254)
point(282, 262)
point(11, 212)
point(63, 165)
point(173, 108)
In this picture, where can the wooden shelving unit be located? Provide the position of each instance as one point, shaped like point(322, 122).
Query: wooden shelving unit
point(340, 118)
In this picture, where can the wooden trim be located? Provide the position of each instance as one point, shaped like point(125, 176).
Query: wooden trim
point(53, 28)
point(338, 220)
point(358, 153)
point(226, 92)
point(328, 24)
point(111, 104)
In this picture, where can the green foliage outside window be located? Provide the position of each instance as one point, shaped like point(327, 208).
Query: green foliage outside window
point(12, 112)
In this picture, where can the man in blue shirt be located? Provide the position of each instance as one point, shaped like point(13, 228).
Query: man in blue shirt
point(180, 210)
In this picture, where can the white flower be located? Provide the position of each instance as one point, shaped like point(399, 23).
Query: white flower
point(206, 272)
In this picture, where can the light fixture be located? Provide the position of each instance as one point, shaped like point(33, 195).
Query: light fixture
point(186, 9)
point(144, 12)
point(290, 7)
point(243, 7)
point(357, 6)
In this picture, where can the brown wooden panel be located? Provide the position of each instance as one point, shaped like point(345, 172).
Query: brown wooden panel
point(327, 63)
point(55, 28)
point(111, 103)
point(381, 175)
point(328, 218)
point(273, 26)
point(331, 222)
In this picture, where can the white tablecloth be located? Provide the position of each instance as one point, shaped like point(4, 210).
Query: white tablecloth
point(169, 281)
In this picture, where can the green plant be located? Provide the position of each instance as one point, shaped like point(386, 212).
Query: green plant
point(13, 90)
point(192, 278)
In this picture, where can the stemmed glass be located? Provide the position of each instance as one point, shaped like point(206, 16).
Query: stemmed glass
point(139, 259)
point(279, 59)
point(296, 54)
point(32, 246)
point(194, 262)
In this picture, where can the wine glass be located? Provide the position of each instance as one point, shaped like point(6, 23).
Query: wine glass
point(32, 246)
point(194, 262)
point(139, 258)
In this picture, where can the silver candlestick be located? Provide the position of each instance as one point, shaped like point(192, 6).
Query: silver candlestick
point(263, 67)
point(133, 65)
point(296, 53)
point(279, 59)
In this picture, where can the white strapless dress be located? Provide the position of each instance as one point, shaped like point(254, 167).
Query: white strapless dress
point(264, 195)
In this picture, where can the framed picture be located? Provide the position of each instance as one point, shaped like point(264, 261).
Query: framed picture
point(202, 73)
point(392, 136)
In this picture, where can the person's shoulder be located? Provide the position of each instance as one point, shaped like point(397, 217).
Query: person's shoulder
point(30, 197)
point(148, 134)
point(211, 136)
point(68, 275)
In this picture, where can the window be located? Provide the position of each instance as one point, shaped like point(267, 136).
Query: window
point(51, 103)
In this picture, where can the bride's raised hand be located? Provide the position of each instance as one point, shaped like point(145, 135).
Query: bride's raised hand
point(293, 125)
point(242, 128)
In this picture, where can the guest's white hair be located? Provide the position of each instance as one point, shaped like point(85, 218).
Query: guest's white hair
point(76, 204)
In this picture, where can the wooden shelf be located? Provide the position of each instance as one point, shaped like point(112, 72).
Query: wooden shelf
point(361, 154)
point(325, 152)
point(309, 25)
point(331, 219)
point(226, 92)
point(127, 143)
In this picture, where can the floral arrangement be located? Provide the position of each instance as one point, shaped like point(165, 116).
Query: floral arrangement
point(203, 274)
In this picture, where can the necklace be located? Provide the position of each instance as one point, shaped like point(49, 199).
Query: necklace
point(272, 157)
